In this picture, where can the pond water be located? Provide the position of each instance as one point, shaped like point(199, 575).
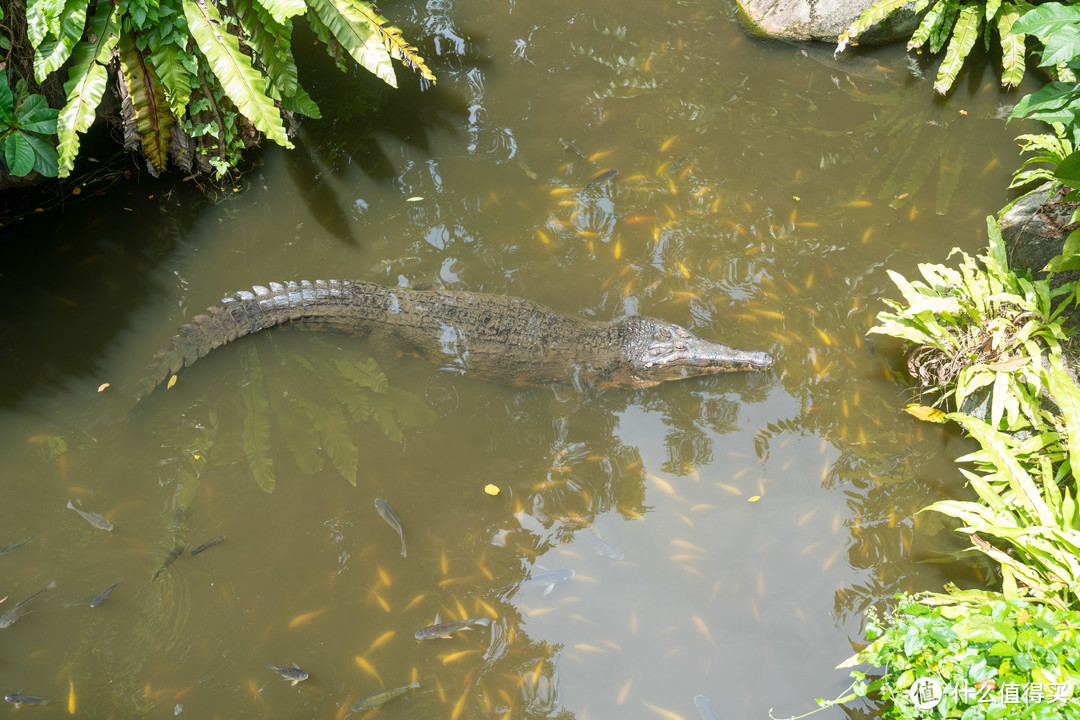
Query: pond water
point(746, 520)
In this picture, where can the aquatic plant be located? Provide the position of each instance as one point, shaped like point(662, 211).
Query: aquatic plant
point(960, 23)
point(980, 328)
point(971, 654)
point(198, 81)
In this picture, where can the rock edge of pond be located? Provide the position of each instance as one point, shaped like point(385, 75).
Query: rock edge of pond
point(821, 20)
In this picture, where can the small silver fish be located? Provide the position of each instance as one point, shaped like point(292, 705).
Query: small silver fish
point(387, 514)
point(293, 674)
point(8, 548)
point(93, 518)
point(8, 619)
point(446, 629)
point(602, 547)
point(705, 708)
point(208, 544)
point(602, 179)
point(18, 699)
point(568, 144)
point(169, 560)
point(547, 578)
point(374, 701)
point(103, 596)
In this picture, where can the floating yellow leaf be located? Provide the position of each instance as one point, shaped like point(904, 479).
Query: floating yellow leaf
point(491, 489)
point(71, 697)
point(414, 199)
point(172, 381)
point(923, 412)
point(753, 498)
point(102, 386)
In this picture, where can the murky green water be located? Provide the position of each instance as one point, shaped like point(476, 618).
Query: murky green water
point(761, 195)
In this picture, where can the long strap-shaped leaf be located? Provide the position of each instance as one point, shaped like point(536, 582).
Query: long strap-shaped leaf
point(1012, 47)
point(86, 83)
point(282, 10)
point(51, 54)
point(394, 40)
point(167, 60)
point(357, 35)
point(152, 119)
point(244, 85)
point(965, 32)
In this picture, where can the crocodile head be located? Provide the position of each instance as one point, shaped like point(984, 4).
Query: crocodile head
point(659, 350)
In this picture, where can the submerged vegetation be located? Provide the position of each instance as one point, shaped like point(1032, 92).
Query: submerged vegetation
point(198, 82)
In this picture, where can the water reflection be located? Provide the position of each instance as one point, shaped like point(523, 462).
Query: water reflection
point(752, 517)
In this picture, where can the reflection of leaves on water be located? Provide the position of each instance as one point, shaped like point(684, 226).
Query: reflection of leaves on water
point(311, 404)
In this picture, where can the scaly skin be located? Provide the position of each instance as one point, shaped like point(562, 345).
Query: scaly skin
point(495, 337)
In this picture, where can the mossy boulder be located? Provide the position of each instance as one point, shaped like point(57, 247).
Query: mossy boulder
point(823, 20)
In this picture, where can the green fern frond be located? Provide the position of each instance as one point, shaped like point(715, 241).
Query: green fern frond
point(282, 10)
point(940, 33)
point(271, 41)
point(869, 17)
point(965, 33)
point(51, 54)
point(926, 26)
point(347, 22)
point(168, 62)
point(86, 83)
point(395, 41)
point(242, 83)
point(1012, 46)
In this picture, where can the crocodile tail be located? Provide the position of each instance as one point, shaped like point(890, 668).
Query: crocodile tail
point(241, 314)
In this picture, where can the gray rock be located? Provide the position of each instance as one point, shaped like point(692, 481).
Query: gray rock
point(1034, 229)
point(823, 20)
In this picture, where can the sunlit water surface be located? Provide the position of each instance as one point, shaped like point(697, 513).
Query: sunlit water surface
point(761, 195)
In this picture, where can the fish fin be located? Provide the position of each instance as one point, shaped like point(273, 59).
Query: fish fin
point(547, 590)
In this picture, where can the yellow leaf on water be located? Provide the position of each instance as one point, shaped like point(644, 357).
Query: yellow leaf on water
point(922, 412)
point(753, 498)
point(491, 489)
point(172, 381)
point(102, 386)
point(71, 697)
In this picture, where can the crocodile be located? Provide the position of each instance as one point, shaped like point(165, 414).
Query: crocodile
point(500, 338)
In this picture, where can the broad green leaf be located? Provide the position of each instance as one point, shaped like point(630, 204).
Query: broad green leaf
point(870, 16)
point(350, 27)
point(301, 102)
point(1050, 103)
point(18, 154)
point(994, 444)
point(410, 410)
point(51, 54)
point(282, 10)
point(255, 427)
point(45, 157)
point(943, 28)
point(1069, 259)
point(36, 116)
point(1057, 26)
point(166, 60)
point(42, 19)
point(1068, 170)
point(86, 83)
point(1012, 47)
point(393, 40)
point(271, 42)
point(244, 85)
point(1067, 396)
point(7, 101)
point(965, 33)
point(980, 628)
point(152, 120)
